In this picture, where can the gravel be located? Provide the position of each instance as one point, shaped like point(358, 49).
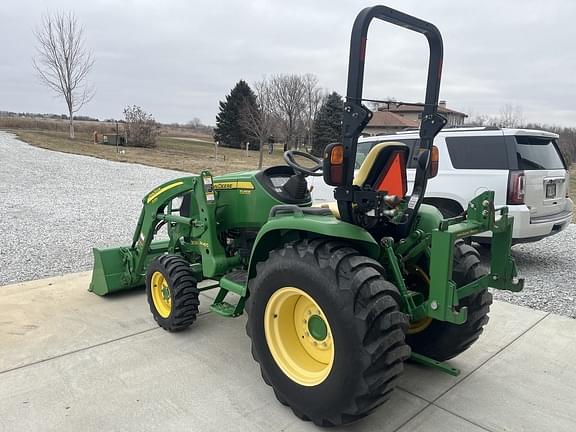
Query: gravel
point(549, 269)
point(56, 207)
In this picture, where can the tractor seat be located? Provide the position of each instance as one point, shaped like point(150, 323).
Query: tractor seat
point(383, 169)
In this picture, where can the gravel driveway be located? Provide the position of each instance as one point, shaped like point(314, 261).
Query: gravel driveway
point(56, 207)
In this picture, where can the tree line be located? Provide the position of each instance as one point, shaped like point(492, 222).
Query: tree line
point(288, 108)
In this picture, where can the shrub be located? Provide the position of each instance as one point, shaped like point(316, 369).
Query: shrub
point(141, 128)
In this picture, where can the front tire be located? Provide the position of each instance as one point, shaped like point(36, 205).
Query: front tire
point(326, 330)
point(172, 293)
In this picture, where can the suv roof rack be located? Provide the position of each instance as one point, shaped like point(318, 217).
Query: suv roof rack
point(447, 129)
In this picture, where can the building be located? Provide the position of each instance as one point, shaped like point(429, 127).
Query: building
point(393, 118)
point(455, 118)
point(385, 122)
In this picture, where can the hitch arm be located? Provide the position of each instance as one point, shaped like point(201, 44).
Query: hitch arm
point(444, 297)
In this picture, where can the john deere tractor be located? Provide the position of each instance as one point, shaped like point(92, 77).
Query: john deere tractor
point(337, 298)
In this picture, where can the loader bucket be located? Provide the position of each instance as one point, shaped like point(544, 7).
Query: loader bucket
point(115, 269)
point(110, 273)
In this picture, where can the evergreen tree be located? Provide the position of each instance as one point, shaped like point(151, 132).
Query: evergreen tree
point(328, 123)
point(229, 131)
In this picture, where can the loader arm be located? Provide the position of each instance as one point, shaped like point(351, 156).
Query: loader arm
point(123, 268)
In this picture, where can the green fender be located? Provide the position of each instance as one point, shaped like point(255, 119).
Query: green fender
point(429, 218)
point(282, 229)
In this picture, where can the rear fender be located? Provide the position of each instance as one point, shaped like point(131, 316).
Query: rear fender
point(429, 218)
point(282, 229)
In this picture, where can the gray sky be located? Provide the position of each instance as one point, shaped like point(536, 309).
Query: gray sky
point(177, 59)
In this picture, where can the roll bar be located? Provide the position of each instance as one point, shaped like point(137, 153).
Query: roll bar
point(356, 116)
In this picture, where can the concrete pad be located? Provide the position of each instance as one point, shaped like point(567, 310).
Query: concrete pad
point(203, 379)
point(530, 386)
point(70, 360)
point(50, 317)
point(437, 419)
point(507, 322)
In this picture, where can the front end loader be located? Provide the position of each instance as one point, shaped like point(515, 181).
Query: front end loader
point(338, 297)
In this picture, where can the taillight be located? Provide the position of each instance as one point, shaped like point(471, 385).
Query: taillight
point(567, 184)
point(333, 164)
point(516, 187)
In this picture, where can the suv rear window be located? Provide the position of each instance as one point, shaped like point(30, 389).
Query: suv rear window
point(537, 153)
point(477, 152)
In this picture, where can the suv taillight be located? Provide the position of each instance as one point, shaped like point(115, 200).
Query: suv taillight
point(516, 187)
point(567, 184)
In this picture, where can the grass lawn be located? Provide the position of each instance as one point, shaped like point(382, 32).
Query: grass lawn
point(182, 154)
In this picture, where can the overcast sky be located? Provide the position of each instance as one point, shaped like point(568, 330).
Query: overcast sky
point(177, 59)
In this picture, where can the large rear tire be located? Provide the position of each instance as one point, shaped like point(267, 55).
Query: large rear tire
point(172, 293)
point(442, 340)
point(326, 330)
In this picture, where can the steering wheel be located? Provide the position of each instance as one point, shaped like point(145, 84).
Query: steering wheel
point(315, 171)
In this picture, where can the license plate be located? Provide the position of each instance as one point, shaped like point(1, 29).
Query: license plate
point(550, 190)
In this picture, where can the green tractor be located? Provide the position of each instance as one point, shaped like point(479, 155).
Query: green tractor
point(337, 298)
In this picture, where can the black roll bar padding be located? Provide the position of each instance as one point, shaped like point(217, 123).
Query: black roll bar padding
point(356, 116)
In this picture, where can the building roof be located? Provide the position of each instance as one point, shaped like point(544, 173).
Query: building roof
point(411, 108)
point(383, 119)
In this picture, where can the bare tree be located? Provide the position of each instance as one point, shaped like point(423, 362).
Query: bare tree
point(313, 98)
point(511, 116)
point(288, 93)
point(260, 120)
point(63, 62)
point(195, 123)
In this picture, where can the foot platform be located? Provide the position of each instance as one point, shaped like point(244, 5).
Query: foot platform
point(235, 282)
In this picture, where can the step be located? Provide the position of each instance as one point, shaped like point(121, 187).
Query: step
point(223, 308)
point(235, 281)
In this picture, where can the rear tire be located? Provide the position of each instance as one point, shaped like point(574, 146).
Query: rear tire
point(364, 329)
point(172, 293)
point(442, 340)
point(448, 208)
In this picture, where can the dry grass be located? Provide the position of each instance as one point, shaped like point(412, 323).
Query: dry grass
point(183, 154)
point(102, 127)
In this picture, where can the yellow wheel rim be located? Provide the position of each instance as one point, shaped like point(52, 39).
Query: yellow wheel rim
point(420, 325)
point(299, 336)
point(161, 295)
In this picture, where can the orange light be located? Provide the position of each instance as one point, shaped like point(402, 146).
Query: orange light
point(394, 180)
point(337, 155)
point(434, 158)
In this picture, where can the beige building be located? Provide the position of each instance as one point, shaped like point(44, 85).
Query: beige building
point(400, 117)
point(455, 118)
point(385, 122)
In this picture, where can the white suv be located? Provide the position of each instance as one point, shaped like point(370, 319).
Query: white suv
point(523, 167)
